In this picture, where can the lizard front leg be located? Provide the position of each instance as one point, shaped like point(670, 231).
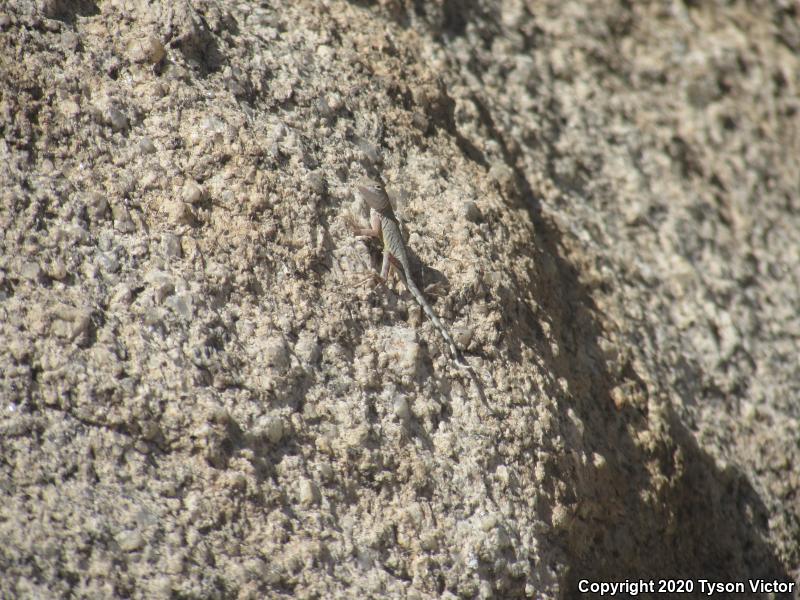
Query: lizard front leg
point(374, 230)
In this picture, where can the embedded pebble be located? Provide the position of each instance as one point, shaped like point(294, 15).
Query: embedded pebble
point(181, 304)
point(471, 211)
point(274, 429)
point(109, 262)
point(96, 204)
point(147, 146)
point(161, 284)
point(171, 245)
point(146, 50)
point(70, 40)
point(81, 325)
point(122, 219)
point(69, 108)
point(462, 336)
point(116, 118)
point(404, 353)
point(105, 241)
point(275, 353)
point(178, 212)
point(400, 407)
point(192, 192)
point(30, 271)
point(316, 181)
point(122, 294)
point(371, 152)
point(326, 472)
point(328, 106)
point(130, 541)
point(307, 347)
point(308, 492)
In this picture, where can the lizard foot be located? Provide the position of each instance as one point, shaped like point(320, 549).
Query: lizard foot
point(372, 280)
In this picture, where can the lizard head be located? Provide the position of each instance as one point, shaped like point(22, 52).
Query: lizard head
point(373, 193)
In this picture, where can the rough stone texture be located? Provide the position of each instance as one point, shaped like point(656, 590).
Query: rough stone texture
point(199, 400)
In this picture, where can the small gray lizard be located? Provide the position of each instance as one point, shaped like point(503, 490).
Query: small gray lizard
point(383, 224)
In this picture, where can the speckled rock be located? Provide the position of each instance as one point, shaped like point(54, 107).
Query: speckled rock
point(201, 394)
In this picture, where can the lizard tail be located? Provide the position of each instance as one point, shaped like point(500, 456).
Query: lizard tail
point(412, 287)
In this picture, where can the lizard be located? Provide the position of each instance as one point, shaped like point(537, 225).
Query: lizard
point(384, 225)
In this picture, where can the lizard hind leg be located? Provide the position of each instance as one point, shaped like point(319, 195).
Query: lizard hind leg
point(385, 266)
point(393, 266)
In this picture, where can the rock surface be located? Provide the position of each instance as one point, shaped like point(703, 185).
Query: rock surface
point(199, 400)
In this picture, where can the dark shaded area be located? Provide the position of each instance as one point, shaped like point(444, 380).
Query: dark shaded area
point(703, 522)
point(69, 10)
